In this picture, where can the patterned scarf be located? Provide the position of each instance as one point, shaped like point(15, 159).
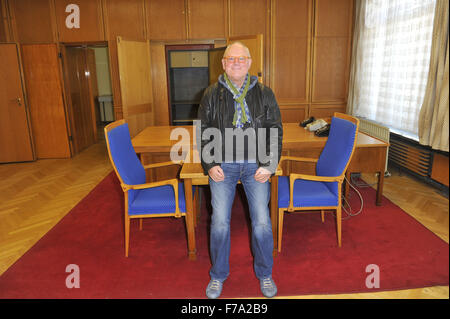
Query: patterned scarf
point(241, 111)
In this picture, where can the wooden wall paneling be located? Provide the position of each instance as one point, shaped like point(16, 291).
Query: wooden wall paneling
point(91, 21)
point(326, 110)
point(159, 83)
point(291, 46)
point(207, 19)
point(249, 18)
point(4, 22)
point(33, 21)
point(166, 20)
point(125, 18)
point(135, 83)
point(294, 113)
point(44, 90)
point(331, 50)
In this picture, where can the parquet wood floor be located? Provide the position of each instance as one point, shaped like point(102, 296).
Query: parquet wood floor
point(35, 196)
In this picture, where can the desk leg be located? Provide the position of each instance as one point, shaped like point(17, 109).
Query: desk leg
point(380, 188)
point(190, 219)
point(274, 212)
point(347, 184)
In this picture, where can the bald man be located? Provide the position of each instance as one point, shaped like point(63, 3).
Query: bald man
point(241, 141)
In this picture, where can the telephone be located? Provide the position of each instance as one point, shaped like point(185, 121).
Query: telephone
point(323, 131)
point(307, 121)
point(317, 124)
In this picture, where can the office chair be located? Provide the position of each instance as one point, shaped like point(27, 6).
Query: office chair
point(299, 192)
point(142, 200)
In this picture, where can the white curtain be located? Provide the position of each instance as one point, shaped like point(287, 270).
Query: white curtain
point(434, 116)
point(390, 62)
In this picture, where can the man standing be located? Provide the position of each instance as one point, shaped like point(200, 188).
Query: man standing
point(237, 103)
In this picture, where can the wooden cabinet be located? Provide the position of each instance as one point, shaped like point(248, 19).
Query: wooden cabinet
point(207, 19)
point(252, 17)
point(33, 21)
point(186, 19)
point(166, 20)
point(291, 29)
point(332, 46)
point(4, 23)
point(331, 56)
point(125, 18)
point(310, 56)
point(91, 26)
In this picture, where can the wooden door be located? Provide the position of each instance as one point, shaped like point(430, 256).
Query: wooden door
point(45, 99)
point(15, 137)
point(256, 46)
point(135, 83)
point(80, 98)
point(215, 64)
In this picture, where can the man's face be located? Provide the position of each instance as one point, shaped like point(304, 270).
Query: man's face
point(236, 63)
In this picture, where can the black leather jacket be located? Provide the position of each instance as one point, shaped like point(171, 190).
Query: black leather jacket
point(217, 103)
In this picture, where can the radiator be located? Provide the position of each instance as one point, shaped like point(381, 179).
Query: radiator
point(410, 155)
point(375, 130)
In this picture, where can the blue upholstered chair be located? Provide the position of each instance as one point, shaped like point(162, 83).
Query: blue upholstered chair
point(142, 199)
point(299, 192)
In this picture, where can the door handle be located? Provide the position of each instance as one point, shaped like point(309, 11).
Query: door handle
point(19, 101)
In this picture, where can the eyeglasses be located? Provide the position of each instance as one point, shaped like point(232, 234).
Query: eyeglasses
point(241, 59)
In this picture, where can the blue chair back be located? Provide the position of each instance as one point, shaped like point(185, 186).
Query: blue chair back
point(338, 148)
point(124, 157)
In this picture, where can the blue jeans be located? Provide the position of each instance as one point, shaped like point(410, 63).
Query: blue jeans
point(222, 196)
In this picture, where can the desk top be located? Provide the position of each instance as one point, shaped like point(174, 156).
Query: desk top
point(157, 138)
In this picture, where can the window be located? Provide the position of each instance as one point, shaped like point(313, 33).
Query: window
point(393, 58)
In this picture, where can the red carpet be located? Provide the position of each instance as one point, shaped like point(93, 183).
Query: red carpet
point(91, 236)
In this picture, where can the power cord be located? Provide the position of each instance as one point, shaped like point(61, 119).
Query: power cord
point(349, 213)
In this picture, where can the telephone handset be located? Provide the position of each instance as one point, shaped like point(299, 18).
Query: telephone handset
point(307, 121)
point(323, 131)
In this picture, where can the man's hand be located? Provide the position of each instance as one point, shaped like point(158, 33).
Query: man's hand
point(262, 175)
point(216, 173)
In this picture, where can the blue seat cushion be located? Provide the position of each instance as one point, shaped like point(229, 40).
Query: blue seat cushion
point(156, 200)
point(306, 193)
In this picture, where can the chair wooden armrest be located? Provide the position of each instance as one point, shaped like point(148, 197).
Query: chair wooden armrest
point(173, 182)
point(294, 158)
point(298, 159)
point(293, 177)
point(153, 165)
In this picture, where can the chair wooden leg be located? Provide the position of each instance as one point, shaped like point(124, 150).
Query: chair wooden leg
point(127, 233)
point(196, 210)
point(338, 222)
point(322, 213)
point(140, 223)
point(280, 227)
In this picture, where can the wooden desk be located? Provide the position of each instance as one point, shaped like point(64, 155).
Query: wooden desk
point(154, 144)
